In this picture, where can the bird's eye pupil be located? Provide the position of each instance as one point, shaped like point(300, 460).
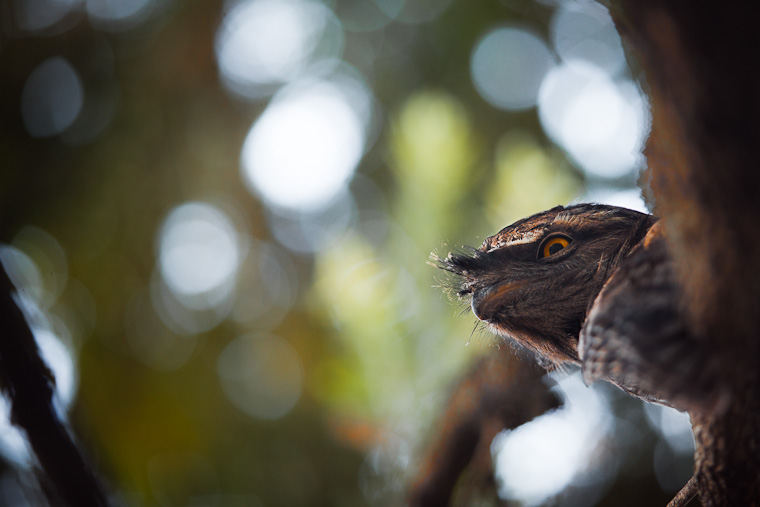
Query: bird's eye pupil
point(556, 247)
point(553, 245)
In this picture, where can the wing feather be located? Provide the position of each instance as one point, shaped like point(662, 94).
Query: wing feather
point(635, 335)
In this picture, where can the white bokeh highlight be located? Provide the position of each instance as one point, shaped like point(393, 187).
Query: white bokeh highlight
point(41, 15)
point(625, 198)
point(13, 445)
point(199, 253)
point(508, 65)
point(584, 32)
point(303, 150)
point(602, 124)
point(52, 98)
point(539, 459)
point(58, 357)
point(262, 43)
point(672, 425)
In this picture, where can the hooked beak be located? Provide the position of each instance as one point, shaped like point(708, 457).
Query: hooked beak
point(486, 302)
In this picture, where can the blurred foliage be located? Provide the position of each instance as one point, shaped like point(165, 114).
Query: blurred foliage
point(378, 341)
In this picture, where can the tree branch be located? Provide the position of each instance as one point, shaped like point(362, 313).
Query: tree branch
point(29, 386)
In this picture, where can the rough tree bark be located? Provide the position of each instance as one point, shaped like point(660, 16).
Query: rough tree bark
point(703, 80)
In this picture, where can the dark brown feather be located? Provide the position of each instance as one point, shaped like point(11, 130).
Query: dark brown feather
point(636, 336)
point(541, 303)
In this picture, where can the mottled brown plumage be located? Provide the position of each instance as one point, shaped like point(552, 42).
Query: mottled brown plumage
point(542, 302)
point(607, 301)
point(595, 286)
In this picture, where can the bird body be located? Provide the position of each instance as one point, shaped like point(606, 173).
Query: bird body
point(598, 286)
point(595, 286)
point(591, 285)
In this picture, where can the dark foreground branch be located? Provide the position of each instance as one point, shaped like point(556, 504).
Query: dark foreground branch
point(29, 386)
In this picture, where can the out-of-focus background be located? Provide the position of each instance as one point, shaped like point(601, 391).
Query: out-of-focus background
point(220, 215)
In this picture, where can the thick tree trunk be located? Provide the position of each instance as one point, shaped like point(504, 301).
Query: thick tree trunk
point(703, 79)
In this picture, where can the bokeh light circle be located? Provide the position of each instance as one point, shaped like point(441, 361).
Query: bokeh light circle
point(508, 65)
point(52, 98)
point(261, 375)
point(263, 43)
point(302, 151)
point(199, 249)
point(43, 15)
point(630, 198)
point(585, 32)
point(539, 459)
point(601, 123)
point(674, 426)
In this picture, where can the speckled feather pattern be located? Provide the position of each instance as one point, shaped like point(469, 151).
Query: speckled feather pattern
point(608, 302)
point(541, 304)
point(635, 336)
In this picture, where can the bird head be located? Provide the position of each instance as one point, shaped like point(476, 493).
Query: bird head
point(535, 280)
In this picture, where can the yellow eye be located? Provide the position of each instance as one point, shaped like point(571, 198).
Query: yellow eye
point(553, 245)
